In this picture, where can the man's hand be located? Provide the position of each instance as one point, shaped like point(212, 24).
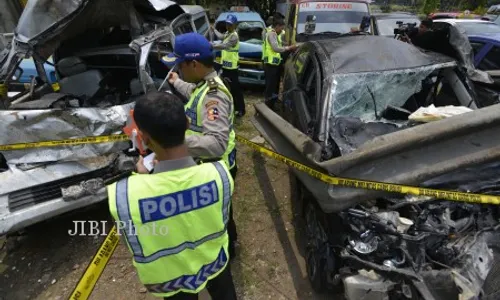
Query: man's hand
point(173, 77)
point(293, 47)
point(141, 169)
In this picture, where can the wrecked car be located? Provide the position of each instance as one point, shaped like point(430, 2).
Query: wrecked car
point(106, 53)
point(348, 110)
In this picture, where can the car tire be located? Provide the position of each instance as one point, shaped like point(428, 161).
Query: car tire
point(316, 263)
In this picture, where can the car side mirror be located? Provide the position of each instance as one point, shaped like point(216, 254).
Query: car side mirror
point(310, 26)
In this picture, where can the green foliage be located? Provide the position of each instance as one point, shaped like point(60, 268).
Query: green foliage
point(430, 6)
point(480, 10)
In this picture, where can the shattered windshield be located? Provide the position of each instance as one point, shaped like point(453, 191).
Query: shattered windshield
point(367, 95)
point(40, 15)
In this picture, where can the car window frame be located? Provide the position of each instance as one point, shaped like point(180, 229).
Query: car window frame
point(312, 124)
point(490, 48)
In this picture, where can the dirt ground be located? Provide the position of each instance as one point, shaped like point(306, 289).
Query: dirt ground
point(46, 262)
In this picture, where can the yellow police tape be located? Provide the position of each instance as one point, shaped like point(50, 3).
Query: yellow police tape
point(339, 181)
point(69, 142)
point(94, 270)
point(3, 90)
point(374, 185)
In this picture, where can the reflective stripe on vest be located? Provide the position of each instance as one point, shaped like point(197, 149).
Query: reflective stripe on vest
point(177, 199)
point(194, 110)
point(230, 57)
point(270, 56)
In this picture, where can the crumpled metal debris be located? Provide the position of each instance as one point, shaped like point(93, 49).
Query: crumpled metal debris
point(24, 126)
point(85, 188)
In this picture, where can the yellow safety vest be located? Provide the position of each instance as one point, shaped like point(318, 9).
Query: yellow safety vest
point(175, 225)
point(194, 110)
point(270, 56)
point(267, 30)
point(231, 56)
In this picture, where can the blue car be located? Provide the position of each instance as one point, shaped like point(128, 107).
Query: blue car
point(28, 68)
point(250, 29)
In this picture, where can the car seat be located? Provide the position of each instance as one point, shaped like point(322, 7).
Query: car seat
point(77, 80)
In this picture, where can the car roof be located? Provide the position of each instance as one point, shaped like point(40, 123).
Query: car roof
point(242, 16)
point(193, 9)
point(393, 15)
point(492, 37)
point(455, 21)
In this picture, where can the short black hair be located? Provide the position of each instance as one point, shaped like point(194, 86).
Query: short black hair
point(162, 116)
point(427, 23)
point(278, 22)
point(208, 62)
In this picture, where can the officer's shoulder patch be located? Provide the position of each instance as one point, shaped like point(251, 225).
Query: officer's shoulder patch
point(213, 85)
point(211, 103)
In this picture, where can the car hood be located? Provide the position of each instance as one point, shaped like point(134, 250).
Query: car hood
point(248, 50)
point(46, 23)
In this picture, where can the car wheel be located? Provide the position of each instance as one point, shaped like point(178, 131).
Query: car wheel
point(316, 261)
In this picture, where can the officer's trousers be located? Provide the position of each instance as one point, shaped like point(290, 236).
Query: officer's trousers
point(219, 288)
point(231, 226)
point(272, 74)
point(231, 78)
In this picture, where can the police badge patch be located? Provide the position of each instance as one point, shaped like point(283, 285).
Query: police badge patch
point(213, 113)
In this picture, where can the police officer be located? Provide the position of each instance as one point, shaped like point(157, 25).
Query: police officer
point(230, 47)
point(209, 108)
point(174, 221)
point(272, 60)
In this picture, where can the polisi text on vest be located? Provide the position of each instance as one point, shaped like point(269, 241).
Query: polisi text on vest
point(166, 206)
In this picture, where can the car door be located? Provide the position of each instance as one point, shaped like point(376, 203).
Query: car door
point(304, 90)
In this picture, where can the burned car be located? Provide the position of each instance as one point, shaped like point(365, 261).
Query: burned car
point(106, 53)
point(348, 110)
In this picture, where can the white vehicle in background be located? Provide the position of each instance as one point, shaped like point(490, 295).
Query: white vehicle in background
point(332, 17)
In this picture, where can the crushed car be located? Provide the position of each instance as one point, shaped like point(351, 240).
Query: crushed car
point(349, 109)
point(106, 54)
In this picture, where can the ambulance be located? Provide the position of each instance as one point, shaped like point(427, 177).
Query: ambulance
point(330, 16)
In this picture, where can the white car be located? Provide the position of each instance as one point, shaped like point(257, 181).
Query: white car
point(470, 26)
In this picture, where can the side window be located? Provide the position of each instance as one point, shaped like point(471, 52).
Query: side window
point(491, 61)
point(440, 25)
point(309, 85)
point(476, 47)
point(201, 25)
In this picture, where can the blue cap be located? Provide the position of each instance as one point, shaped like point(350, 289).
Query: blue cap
point(188, 46)
point(231, 19)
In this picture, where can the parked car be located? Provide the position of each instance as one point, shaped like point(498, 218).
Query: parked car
point(250, 27)
point(346, 112)
point(385, 23)
point(453, 15)
point(101, 69)
point(492, 14)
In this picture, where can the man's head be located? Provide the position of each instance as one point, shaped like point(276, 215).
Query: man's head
point(231, 22)
point(193, 54)
point(278, 25)
point(161, 120)
point(425, 26)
